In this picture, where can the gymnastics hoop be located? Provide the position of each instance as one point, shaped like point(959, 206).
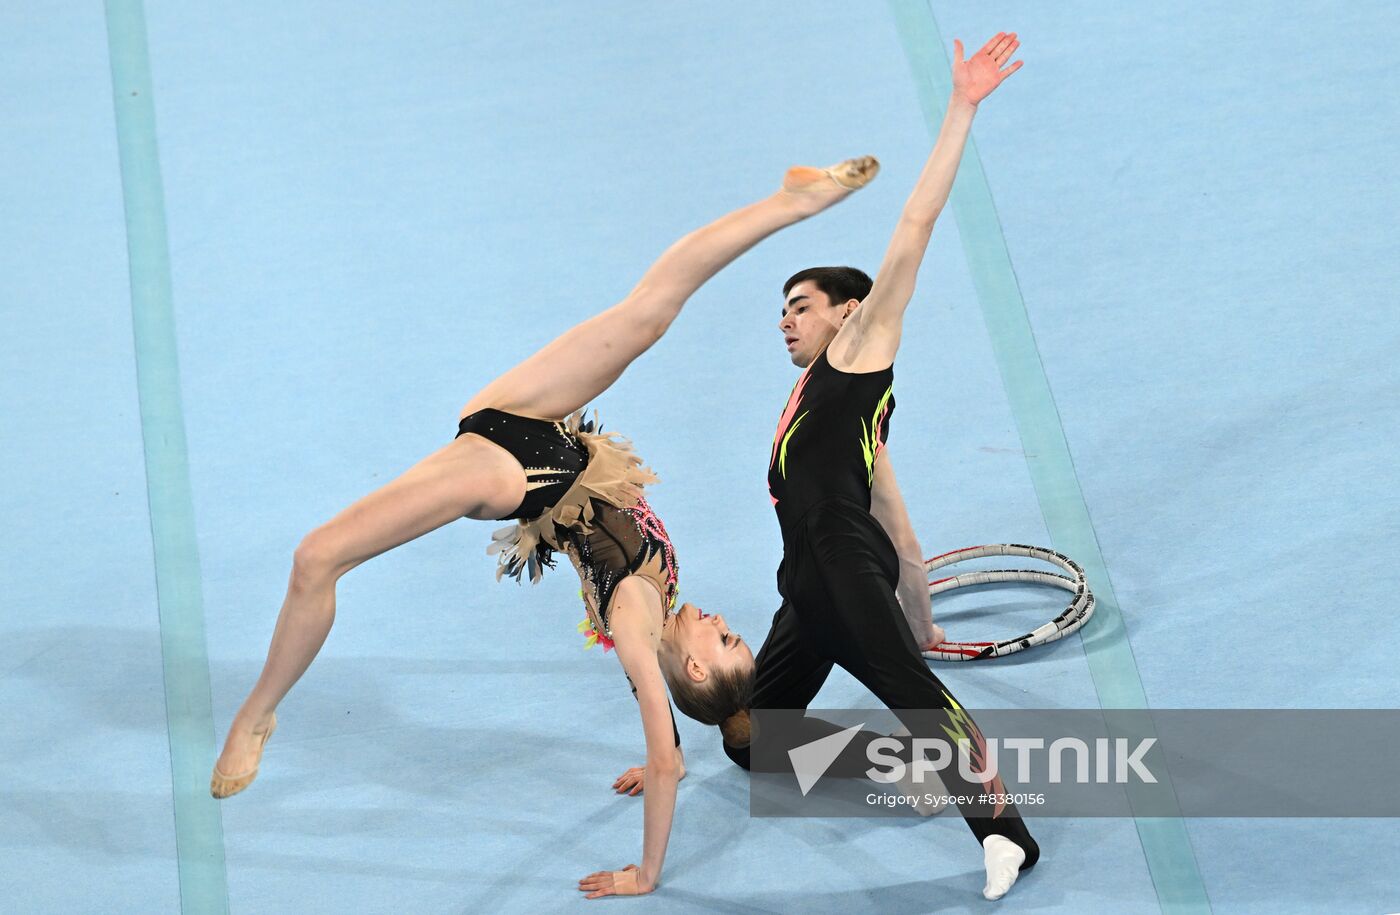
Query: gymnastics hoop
point(1073, 617)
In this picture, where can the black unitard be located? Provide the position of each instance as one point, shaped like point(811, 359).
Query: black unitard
point(840, 570)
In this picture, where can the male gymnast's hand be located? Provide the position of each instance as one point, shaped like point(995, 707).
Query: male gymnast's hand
point(626, 882)
point(976, 77)
point(931, 638)
point(633, 781)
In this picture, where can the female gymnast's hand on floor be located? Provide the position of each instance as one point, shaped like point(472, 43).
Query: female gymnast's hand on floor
point(633, 781)
point(626, 882)
point(976, 77)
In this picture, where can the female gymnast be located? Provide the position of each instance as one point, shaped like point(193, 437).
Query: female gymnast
point(522, 452)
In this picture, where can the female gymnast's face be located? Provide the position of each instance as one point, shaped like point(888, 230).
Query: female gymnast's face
point(708, 641)
point(810, 321)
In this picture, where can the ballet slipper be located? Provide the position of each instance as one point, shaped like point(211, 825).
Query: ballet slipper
point(222, 786)
point(850, 175)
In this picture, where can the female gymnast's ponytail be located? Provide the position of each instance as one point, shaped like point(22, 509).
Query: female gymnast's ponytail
point(735, 728)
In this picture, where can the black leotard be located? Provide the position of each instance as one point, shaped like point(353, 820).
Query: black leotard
point(583, 495)
point(552, 456)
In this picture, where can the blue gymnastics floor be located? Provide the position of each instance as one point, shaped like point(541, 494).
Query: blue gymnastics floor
point(374, 210)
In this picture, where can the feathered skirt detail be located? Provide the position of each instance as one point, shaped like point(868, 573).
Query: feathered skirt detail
point(613, 474)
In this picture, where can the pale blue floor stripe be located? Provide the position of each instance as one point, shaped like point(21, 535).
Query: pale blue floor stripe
point(198, 826)
point(1117, 681)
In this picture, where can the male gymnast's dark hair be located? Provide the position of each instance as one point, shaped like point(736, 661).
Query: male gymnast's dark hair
point(723, 699)
point(841, 284)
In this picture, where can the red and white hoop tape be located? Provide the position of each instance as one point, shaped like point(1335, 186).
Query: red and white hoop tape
point(1074, 616)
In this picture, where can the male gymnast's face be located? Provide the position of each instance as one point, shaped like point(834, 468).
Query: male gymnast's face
point(810, 321)
point(705, 643)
